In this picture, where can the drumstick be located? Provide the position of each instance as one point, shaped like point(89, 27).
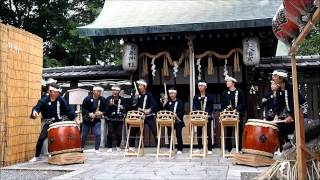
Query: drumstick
point(135, 86)
point(165, 88)
point(279, 121)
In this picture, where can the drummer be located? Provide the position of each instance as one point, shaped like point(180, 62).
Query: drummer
point(204, 102)
point(233, 99)
point(144, 102)
point(53, 108)
point(269, 102)
point(115, 113)
point(48, 83)
point(93, 107)
point(177, 107)
point(284, 106)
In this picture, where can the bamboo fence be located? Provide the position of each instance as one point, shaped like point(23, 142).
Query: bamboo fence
point(21, 58)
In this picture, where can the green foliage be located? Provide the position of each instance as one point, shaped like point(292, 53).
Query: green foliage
point(56, 21)
point(311, 45)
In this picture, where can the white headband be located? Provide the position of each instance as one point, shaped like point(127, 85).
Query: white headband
point(202, 84)
point(172, 91)
point(142, 82)
point(279, 73)
point(51, 81)
point(229, 78)
point(54, 89)
point(114, 88)
point(97, 88)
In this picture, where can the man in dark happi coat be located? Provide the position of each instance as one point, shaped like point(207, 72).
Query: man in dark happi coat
point(177, 107)
point(204, 102)
point(93, 108)
point(115, 112)
point(285, 107)
point(53, 108)
point(269, 102)
point(233, 99)
point(145, 102)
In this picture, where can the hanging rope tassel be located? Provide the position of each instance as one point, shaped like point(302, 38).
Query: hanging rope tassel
point(235, 63)
point(210, 66)
point(144, 66)
point(238, 62)
point(165, 69)
point(186, 68)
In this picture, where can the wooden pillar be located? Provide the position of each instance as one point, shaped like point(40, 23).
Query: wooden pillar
point(299, 125)
point(192, 72)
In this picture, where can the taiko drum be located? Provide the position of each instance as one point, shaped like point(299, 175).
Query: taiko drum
point(63, 137)
point(260, 137)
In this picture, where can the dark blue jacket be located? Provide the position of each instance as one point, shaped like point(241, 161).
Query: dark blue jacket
point(197, 100)
point(112, 110)
point(48, 108)
point(281, 102)
point(150, 103)
point(179, 111)
point(228, 97)
point(90, 106)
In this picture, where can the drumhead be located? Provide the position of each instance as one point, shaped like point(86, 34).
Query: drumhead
point(63, 123)
point(262, 123)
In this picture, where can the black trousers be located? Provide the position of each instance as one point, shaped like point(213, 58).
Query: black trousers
point(199, 134)
point(178, 129)
point(229, 132)
point(284, 130)
point(114, 129)
point(43, 136)
point(150, 121)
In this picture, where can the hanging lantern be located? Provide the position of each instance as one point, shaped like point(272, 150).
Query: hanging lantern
point(251, 51)
point(130, 57)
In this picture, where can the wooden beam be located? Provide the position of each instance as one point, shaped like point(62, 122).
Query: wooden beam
point(299, 121)
point(299, 124)
point(310, 25)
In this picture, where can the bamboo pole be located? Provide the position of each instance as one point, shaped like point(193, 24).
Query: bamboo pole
point(312, 22)
point(299, 126)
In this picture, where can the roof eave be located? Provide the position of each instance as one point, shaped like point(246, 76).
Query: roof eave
point(127, 31)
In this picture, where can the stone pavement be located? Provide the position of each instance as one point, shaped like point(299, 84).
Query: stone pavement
point(115, 166)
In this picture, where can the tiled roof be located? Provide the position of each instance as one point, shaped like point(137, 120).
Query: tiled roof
point(285, 62)
point(85, 72)
point(127, 17)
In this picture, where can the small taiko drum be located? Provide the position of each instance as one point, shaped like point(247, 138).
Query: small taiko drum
point(135, 117)
point(260, 137)
point(198, 117)
point(283, 28)
point(165, 117)
point(63, 137)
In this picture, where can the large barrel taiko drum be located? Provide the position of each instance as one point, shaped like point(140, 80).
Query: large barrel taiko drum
point(260, 137)
point(284, 29)
point(295, 9)
point(63, 137)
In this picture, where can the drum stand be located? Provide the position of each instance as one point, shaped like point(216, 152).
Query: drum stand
point(134, 123)
point(229, 119)
point(199, 123)
point(166, 123)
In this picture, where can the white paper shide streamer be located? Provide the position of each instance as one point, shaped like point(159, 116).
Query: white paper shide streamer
point(175, 68)
point(225, 69)
point(153, 68)
point(199, 68)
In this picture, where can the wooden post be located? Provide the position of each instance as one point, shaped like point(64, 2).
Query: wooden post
point(299, 126)
point(192, 73)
